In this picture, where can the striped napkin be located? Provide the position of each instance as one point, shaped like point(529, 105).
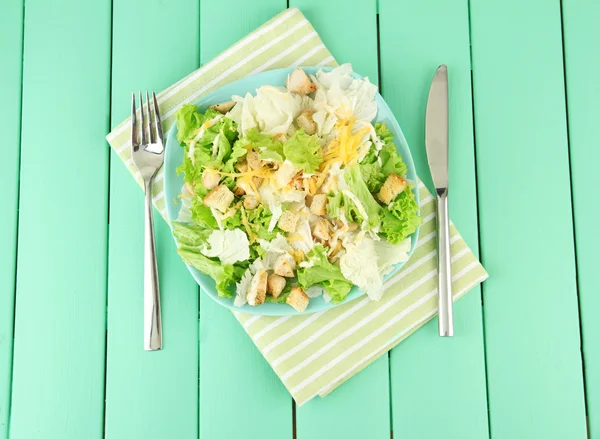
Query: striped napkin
point(315, 353)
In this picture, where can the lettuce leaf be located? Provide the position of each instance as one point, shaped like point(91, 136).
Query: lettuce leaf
point(374, 173)
point(190, 235)
point(259, 220)
point(359, 188)
point(356, 202)
point(267, 147)
point(335, 204)
point(212, 150)
point(202, 215)
point(324, 273)
point(303, 151)
point(225, 275)
point(373, 176)
point(283, 295)
point(401, 218)
point(188, 120)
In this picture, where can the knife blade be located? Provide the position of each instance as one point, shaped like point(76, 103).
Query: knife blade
point(436, 144)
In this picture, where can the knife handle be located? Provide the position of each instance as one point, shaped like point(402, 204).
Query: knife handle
point(446, 321)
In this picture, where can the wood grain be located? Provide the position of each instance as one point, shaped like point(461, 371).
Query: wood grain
point(352, 38)
point(582, 64)
point(11, 57)
point(240, 395)
point(148, 394)
point(530, 301)
point(438, 386)
point(58, 379)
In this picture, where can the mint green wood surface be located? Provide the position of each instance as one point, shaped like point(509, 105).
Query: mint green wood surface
point(79, 280)
point(532, 339)
point(352, 37)
point(451, 372)
point(11, 56)
point(582, 62)
point(240, 395)
point(58, 364)
point(148, 394)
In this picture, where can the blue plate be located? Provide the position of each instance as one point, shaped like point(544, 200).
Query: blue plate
point(173, 182)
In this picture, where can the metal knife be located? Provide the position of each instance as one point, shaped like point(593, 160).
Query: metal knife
point(436, 142)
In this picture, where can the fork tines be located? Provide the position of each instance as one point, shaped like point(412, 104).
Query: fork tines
point(150, 130)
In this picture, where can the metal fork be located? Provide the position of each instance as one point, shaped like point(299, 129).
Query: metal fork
point(147, 153)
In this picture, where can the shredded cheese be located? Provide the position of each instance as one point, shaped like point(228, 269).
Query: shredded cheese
point(347, 147)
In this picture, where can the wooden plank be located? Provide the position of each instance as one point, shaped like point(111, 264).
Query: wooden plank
point(240, 395)
point(341, 36)
point(530, 301)
point(582, 63)
point(148, 394)
point(11, 57)
point(58, 366)
point(452, 371)
point(344, 413)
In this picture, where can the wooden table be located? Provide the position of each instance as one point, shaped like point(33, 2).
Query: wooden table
point(524, 170)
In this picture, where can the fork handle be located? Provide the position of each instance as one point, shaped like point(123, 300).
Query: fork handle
point(152, 320)
point(446, 324)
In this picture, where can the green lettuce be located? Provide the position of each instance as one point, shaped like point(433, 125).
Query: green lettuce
point(188, 120)
point(225, 275)
point(373, 176)
point(359, 188)
point(259, 219)
point(401, 218)
point(266, 146)
point(325, 274)
point(238, 151)
point(343, 202)
point(374, 173)
point(282, 296)
point(190, 235)
point(335, 204)
point(206, 154)
point(303, 151)
point(202, 215)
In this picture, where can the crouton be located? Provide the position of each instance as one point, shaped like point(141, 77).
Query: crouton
point(298, 183)
point(318, 205)
point(253, 160)
point(334, 252)
point(257, 181)
point(223, 107)
point(287, 221)
point(306, 122)
point(299, 82)
point(241, 166)
point(210, 178)
point(320, 230)
point(275, 285)
point(284, 265)
point(238, 191)
point(297, 299)
point(282, 137)
point(391, 188)
point(258, 288)
point(352, 227)
point(250, 202)
point(219, 198)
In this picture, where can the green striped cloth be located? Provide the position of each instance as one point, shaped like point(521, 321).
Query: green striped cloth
point(315, 353)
